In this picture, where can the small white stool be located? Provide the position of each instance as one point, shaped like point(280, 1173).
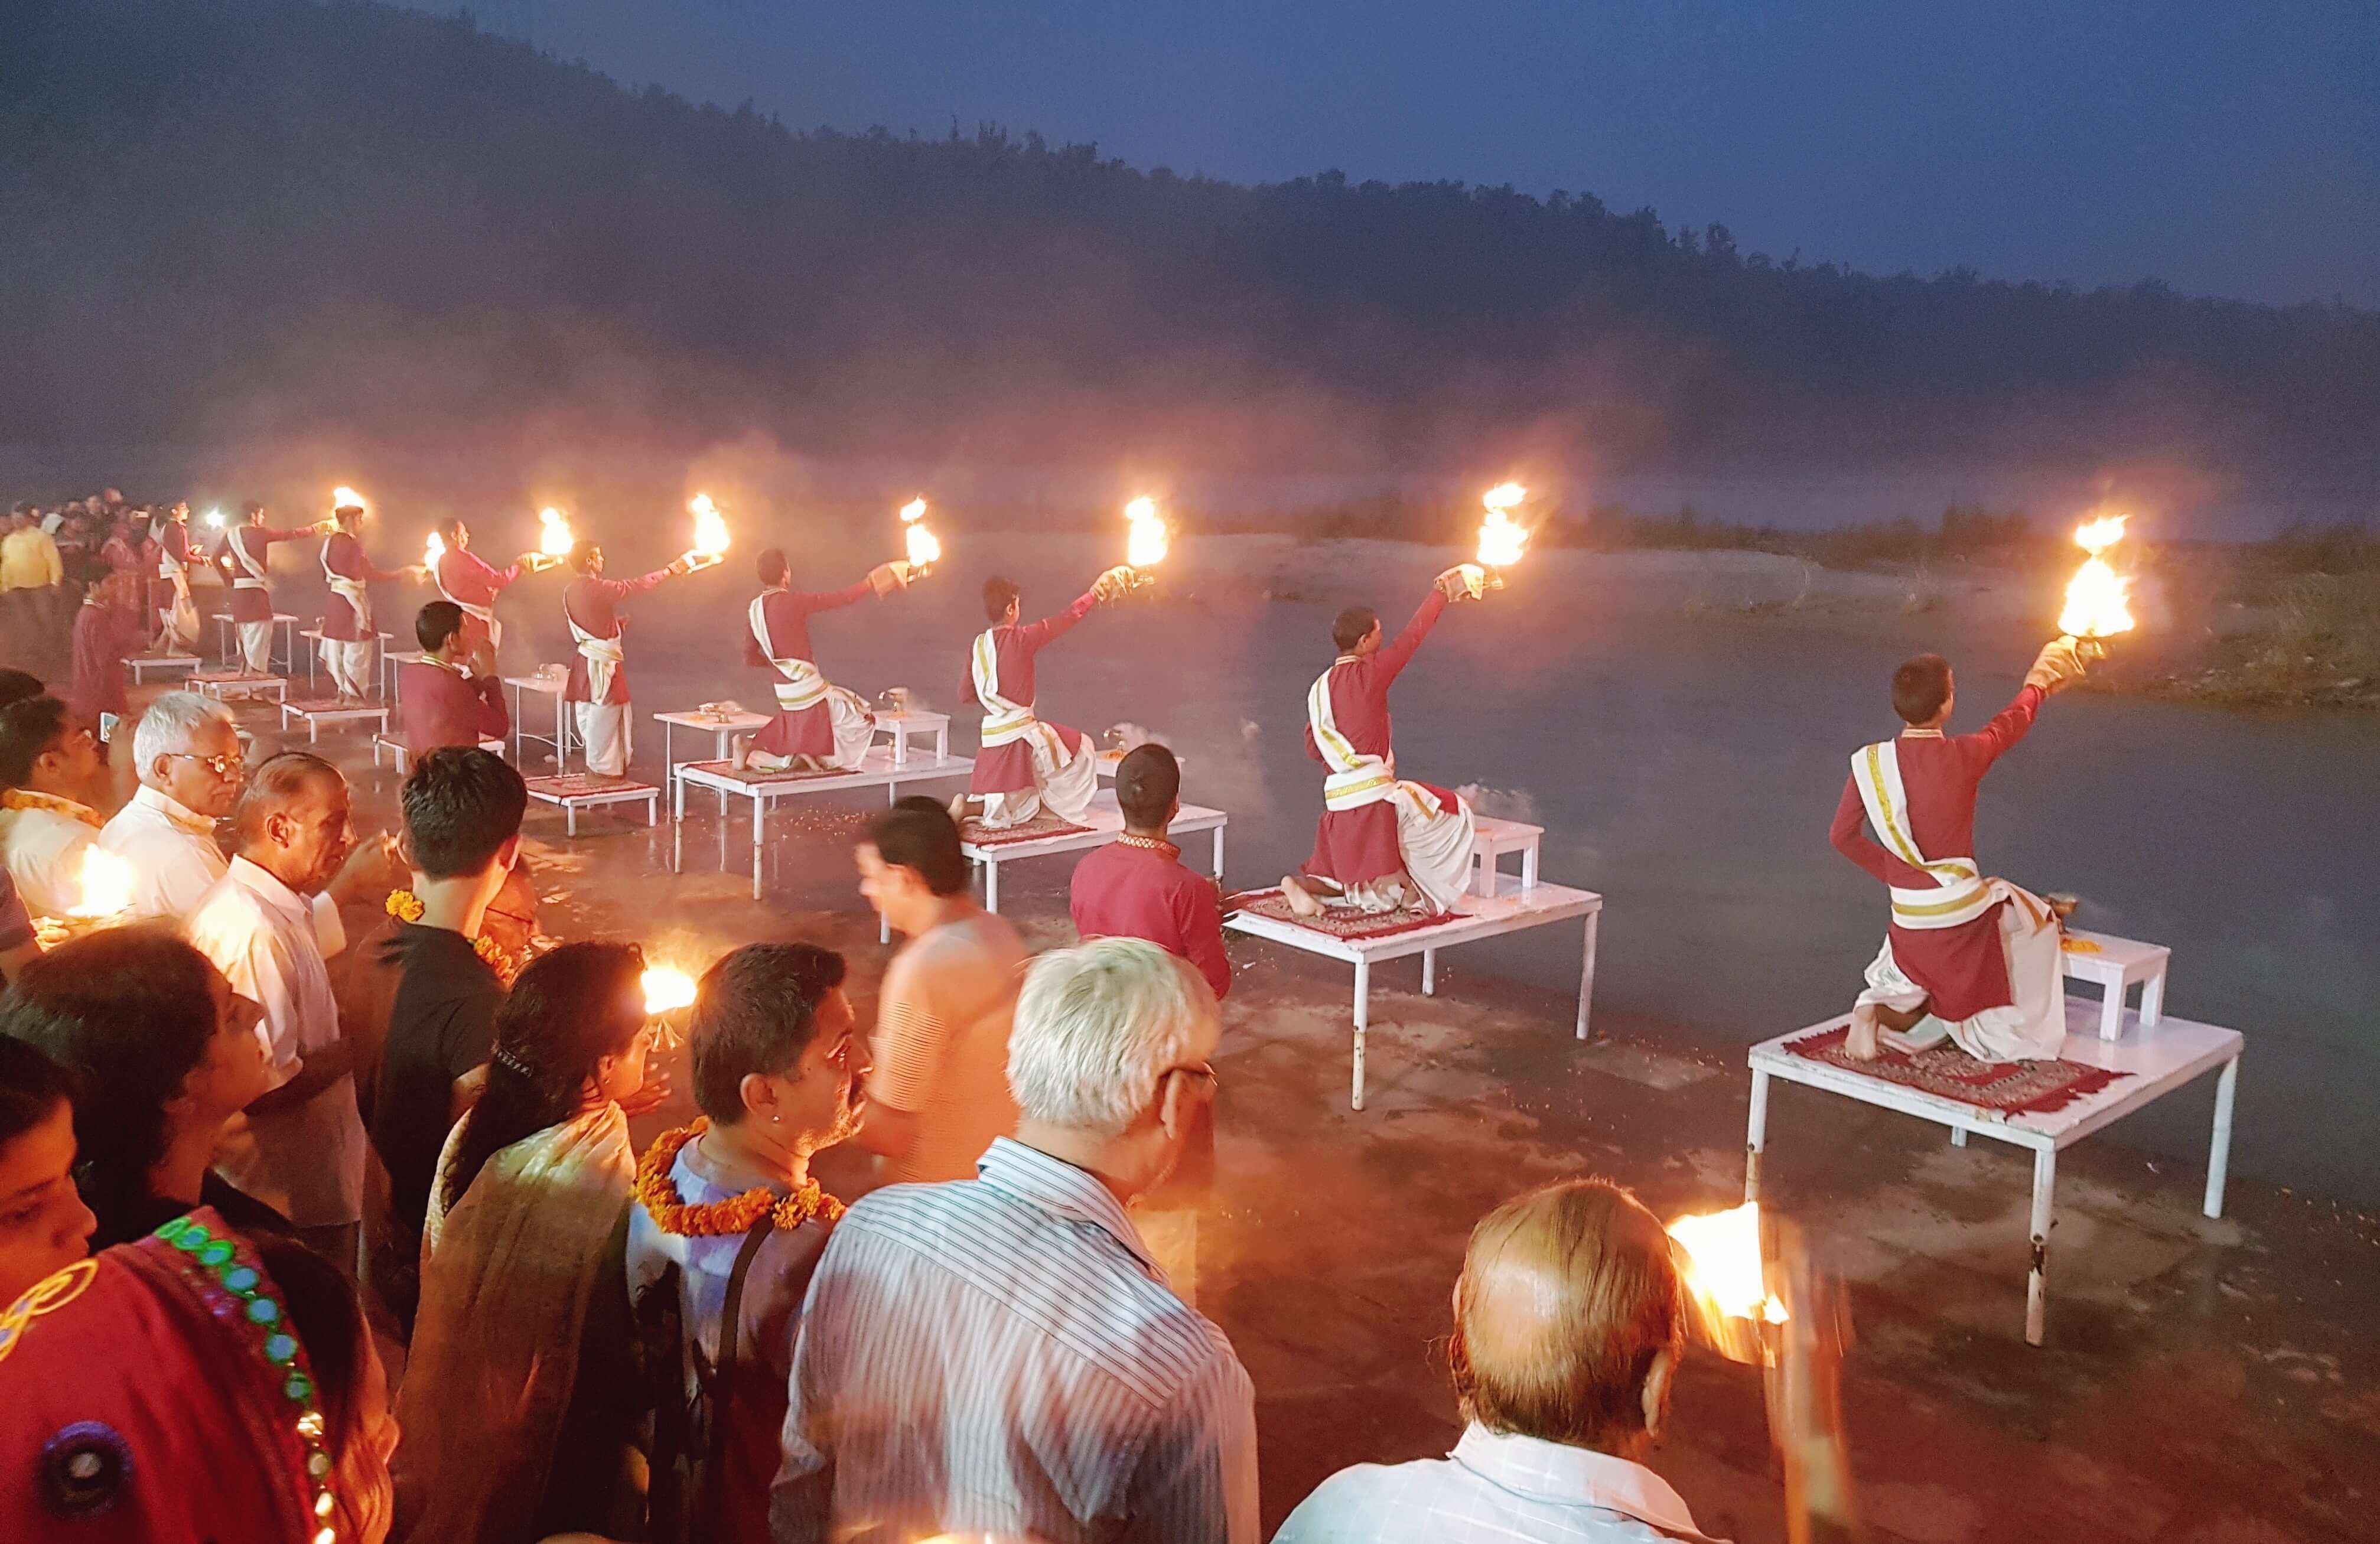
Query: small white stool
point(2116, 964)
point(1491, 839)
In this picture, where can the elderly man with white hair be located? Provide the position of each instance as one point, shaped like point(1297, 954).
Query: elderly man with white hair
point(1001, 1355)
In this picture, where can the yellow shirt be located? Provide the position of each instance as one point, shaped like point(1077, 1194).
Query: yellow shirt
point(29, 560)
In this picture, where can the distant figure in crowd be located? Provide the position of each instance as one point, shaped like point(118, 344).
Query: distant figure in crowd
point(347, 630)
point(519, 1402)
point(1569, 1321)
point(50, 770)
point(143, 1406)
point(462, 834)
point(818, 726)
point(598, 684)
point(464, 578)
point(1000, 1355)
point(186, 751)
point(940, 1091)
point(1382, 842)
point(244, 560)
point(300, 1147)
point(777, 1066)
point(31, 570)
point(102, 638)
point(44, 1226)
point(1978, 957)
point(1027, 765)
point(1136, 887)
point(174, 615)
point(168, 1055)
point(451, 696)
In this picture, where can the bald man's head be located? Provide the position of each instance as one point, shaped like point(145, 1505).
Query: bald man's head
point(1568, 1318)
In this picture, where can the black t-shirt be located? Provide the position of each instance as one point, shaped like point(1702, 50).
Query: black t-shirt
point(136, 1216)
point(441, 1025)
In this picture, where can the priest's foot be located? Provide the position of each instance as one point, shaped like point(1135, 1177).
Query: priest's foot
point(1860, 1043)
point(1301, 900)
point(739, 753)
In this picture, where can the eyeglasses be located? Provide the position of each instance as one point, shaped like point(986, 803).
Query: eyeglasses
point(226, 766)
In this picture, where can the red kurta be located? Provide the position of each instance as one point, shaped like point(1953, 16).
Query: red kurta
point(1964, 969)
point(1128, 891)
point(1008, 769)
point(172, 541)
point(464, 577)
point(101, 640)
point(1356, 846)
point(438, 707)
point(810, 731)
point(343, 555)
point(593, 604)
point(253, 605)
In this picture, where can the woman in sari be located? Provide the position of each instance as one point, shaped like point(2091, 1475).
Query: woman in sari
point(519, 1401)
point(194, 1387)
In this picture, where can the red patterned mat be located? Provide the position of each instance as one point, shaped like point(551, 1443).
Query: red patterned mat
point(1336, 922)
point(2005, 1089)
point(754, 776)
point(1041, 825)
point(573, 786)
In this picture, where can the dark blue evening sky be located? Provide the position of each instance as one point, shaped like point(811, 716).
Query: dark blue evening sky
point(2230, 147)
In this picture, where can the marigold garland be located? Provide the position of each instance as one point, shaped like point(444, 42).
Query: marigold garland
point(406, 906)
point(657, 1193)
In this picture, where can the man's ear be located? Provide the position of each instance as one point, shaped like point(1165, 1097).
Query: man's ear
point(1657, 1391)
point(1172, 1111)
point(509, 854)
point(405, 852)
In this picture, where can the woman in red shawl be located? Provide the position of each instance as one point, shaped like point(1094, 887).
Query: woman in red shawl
point(186, 1389)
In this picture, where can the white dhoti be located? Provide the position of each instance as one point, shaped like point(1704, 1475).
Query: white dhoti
point(177, 623)
point(603, 729)
point(855, 730)
point(349, 665)
point(256, 647)
point(2032, 1028)
point(1064, 782)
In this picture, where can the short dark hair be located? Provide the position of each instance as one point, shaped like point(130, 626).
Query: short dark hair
point(435, 622)
point(582, 555)
point(1920, 687)
point(1148, 781)
point(771, 566)
point(755, 1013)
point(449, 526)
point(461, 804)
point(31, 1086)
point(919, 833)
point(999, 594)
point(28, 729)
point(1352, 625)
point(17, 685)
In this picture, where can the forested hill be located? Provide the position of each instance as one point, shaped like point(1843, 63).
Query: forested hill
point(253, 216)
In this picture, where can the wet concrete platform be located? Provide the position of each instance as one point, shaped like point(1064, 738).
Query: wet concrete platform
point(2208, 1383)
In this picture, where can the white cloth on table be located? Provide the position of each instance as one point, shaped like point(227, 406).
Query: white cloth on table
point(44, 853)
point(308, 1162)
point(2031, 1025)
point(605, 732)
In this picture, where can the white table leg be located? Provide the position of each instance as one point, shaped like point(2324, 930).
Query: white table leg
point(519, 758)
point(943, 743)
point(2218, 1150)
point(1529, 867)
point(901, 745)
point(1218, 855)
point(1586, 971)
point(2036, 1282)
point(653, 809)
point(669, 767)
point(1755, 1134)
point(1363, 1015)
point(2112, 1010)
point(760, 812)
point(1483, 869)
point(570, 817)
point(1429, 973)
point(2153, 1001)
point(677, 830)
point(1958, 1137)
point(992, 885)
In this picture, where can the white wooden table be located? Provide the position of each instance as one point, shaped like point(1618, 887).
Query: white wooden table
point(879, 771)
point(1490, 840)
point(285, 624)
point(1510, 911)
point(1103, 822)
point(722, 727)
point(572, 793)
point(141, 664)
point(2116, 964)
point(560, 739)
point(2160, 1058)
point(314, 715)
point(385, 744)
point(224, 685)
point(314, 653)
point(913, 723)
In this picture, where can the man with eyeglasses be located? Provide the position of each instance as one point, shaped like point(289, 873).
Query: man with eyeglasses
point(50, 770)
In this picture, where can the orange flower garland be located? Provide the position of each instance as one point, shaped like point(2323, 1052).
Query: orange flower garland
point(406, 906)
point(657, 1193)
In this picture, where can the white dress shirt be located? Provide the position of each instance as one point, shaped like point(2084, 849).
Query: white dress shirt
point(1494, 1489)
point(307, 1162)
point(1001, 1355)
point(172, 850)
point(44, 843)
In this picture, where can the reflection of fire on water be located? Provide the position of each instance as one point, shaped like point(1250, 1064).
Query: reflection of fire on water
point(925, 549)
point(2097, 606)
point(105, 881)
point(709, 530)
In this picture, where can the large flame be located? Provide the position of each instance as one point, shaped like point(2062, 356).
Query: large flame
point(1501, 541)
point(1150, 541)
point(107, 883)
point(709, 528)
point(925, 549)
point(554, 537)
point(667, 989)
point(345, 498)
point(2097, 604)
point(433, 549)
point(1727, 1277)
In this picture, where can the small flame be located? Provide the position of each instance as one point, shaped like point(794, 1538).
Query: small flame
point(1150, 541)
point(2098, 603)
point(1726, 1275)
point(1504, 495)
point(215, 519)
point(914, 511)
point(709, 528)
point(666, 988)
point(433, 549)
point(345, 498)
point(555, 538)
point(107, 883)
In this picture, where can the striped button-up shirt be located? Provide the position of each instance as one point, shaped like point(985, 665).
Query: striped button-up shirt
point(1494, 1489)
point(1001, 1355)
